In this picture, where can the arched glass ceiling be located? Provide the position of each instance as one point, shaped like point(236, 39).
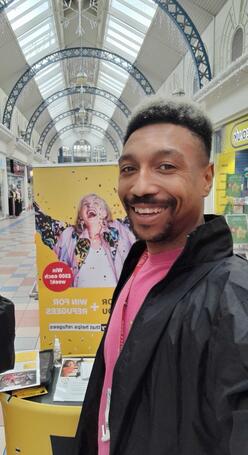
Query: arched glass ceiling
point(127, 23)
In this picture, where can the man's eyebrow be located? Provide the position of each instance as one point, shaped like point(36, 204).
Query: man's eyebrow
point(127, 156)
point(162, 152)
point(169, 152)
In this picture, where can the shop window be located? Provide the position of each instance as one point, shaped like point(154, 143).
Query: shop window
point(81, 151)
point(237, 44)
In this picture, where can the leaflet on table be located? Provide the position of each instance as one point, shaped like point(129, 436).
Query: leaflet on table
point(73, 378)
point(26, 372)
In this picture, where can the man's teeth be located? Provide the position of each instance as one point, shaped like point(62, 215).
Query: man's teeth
point(147, 211)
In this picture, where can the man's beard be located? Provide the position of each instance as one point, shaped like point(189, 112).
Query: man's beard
point(166, 232)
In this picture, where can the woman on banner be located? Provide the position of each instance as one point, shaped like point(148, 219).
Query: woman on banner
point(95, 247)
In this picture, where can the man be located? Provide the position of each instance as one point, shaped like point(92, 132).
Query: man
point(171, 373)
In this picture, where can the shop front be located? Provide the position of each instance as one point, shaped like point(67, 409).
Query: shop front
point(3, 187)
point(231, 184)
point(15, 174)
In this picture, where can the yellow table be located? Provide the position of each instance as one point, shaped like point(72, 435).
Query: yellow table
point(28, 424)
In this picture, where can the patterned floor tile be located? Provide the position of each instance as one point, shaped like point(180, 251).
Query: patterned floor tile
point(27, 332)
point(22, 343)
point(27, 281)
point(17, 280)
point(9, 289)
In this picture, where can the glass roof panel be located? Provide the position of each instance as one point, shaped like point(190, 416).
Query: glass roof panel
point(138, 11)
point(112, 80)
point(103, 105)
point(125, 30)
point(33, 24)
point(126, 27)
point(100, 122)
point(106, 85)
point(38, 42)
point(58, 108)
point(43, 73)
point(114, 70)
point(62, 123)
point(25, 11)
point(116, 46)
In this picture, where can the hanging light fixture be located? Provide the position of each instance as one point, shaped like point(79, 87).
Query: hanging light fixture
point(82, 113)
point(81, 78)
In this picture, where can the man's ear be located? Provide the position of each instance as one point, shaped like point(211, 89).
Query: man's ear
point(208, 175)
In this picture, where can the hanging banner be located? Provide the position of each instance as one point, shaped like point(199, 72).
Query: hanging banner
point(82, 240)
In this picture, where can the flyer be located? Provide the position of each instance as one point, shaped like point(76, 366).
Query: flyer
point(26, 372)
point(73, 378)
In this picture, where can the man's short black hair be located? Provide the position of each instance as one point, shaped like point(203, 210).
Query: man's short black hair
point(178, 111)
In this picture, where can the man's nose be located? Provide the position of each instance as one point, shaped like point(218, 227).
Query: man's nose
point(144, 184)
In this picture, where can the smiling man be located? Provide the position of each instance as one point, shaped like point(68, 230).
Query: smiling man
point(171, 373)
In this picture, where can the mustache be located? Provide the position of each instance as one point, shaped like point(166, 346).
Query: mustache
point(148, 199)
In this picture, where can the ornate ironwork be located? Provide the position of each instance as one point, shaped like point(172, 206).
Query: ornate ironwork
point(73, 112)
point(64, 54)
point(4, 4)
point(192, 37)
point(74, 125)
point(72, 91)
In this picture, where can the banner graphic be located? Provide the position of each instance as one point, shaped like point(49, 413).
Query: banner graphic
point(82, 240)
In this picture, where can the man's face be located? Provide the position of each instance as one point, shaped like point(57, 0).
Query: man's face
point(92, 210)
point(164, 176)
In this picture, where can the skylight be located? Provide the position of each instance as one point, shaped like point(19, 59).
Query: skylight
point(103, 105)
point(126, 26)
point(33, 24)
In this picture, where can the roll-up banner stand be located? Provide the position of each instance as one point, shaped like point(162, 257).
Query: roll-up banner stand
point(82, 239)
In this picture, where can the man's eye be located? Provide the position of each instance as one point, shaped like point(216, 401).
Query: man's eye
point(126, 169)
point(166, 166)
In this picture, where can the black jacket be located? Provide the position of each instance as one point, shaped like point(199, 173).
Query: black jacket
point(180, 385)
point(7, 334)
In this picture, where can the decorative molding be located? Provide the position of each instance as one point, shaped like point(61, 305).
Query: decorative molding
point(237, 70)
point(5, 134)
point(23, 147)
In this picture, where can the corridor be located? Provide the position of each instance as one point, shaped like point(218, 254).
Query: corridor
point(17, 282)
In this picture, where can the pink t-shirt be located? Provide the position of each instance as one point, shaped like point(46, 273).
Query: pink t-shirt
point(150, 270)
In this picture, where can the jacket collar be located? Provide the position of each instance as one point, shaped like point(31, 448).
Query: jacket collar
point(209, 242)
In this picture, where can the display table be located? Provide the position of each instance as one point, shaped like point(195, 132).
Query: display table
point(30, 424)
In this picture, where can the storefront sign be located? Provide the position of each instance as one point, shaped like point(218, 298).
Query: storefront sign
point(239, 134)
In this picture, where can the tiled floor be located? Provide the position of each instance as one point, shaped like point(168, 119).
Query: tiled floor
point(17, 280)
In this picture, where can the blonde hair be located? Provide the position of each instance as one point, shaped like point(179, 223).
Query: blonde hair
point(108, 218)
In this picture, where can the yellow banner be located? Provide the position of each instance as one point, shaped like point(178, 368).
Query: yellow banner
point(82, 240)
